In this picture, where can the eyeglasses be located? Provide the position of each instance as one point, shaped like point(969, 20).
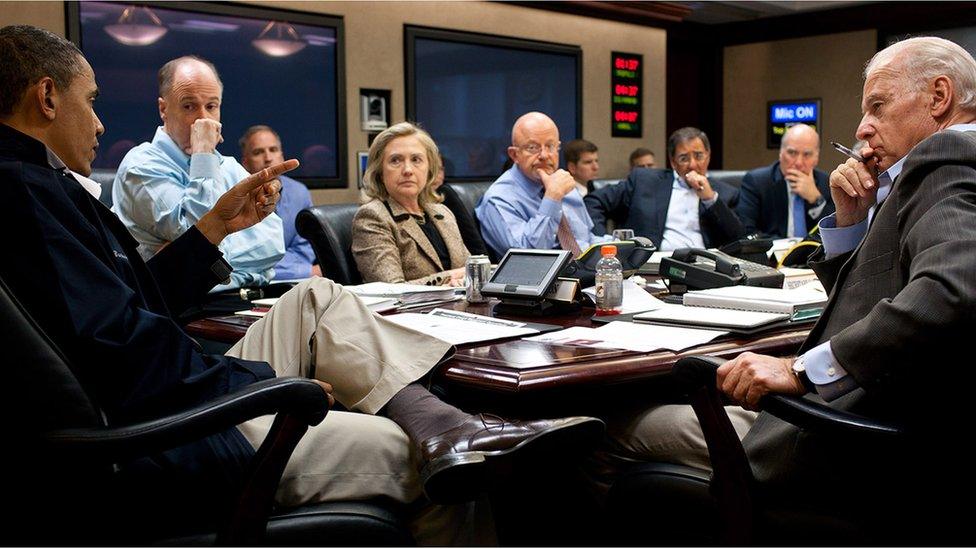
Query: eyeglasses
point(535, 148)
point(683, 159)
point(792, 153)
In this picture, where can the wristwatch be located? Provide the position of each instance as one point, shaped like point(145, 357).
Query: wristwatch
point(800, 371)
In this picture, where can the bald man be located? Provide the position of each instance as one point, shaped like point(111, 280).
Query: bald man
point(534, 204)
point(165, 186)
point(789, 197)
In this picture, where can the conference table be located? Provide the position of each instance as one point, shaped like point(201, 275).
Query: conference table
point(519, 371)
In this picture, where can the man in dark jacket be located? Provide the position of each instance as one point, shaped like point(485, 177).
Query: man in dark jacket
point(677, 208)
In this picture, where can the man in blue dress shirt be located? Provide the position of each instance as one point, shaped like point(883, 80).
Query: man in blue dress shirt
point(261, 148)
point(165, 186)
point(534, 204)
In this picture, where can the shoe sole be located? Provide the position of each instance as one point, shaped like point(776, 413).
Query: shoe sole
point(460, 477)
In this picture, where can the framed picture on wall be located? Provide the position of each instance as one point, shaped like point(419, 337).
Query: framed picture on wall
point(361, 158)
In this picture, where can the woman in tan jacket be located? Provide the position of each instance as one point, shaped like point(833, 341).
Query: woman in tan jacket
point(403, 233)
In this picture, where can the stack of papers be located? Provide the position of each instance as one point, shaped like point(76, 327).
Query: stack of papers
point(407, 295)
point(724, 319)
point(630, 336)
point(458, 327)
point(259, 307)
point(800, 304)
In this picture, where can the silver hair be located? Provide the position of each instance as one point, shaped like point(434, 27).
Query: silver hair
point(927, 57)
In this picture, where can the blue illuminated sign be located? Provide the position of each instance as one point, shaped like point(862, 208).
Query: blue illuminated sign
point(785, 113)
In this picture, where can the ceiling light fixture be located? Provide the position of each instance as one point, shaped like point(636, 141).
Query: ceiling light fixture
point(127, 30)
point(285, 41)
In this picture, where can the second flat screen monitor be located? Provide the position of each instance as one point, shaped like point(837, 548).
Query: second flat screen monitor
point(468, 89)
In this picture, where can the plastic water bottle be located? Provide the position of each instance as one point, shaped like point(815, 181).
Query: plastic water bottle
point(609, 282)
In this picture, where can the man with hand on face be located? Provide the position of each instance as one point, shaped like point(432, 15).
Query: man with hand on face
point(260, 148)
point(789, 197)
point(677, 208)
point(165, 186)
point(583, 163)
point(534, 204)
point(893, 342)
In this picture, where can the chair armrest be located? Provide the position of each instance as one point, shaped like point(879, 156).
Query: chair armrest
point(302, 399)
point(696, 371)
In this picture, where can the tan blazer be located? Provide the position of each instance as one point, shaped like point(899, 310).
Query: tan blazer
point(395, 249)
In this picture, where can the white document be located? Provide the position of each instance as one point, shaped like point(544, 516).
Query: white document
point(642, 338)
point(654, 262)
point(709, 317)
point(457, 330)
point(636, 299)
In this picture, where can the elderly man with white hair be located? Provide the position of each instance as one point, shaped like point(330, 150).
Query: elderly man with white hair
point(899, 257)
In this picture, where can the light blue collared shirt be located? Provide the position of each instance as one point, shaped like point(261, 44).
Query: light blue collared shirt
point(515, 214)
point(160, 192)
point(682, 228)
point(299, 256)
point(822, 368)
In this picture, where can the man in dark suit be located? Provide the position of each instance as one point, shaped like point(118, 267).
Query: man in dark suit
point(789, 197)
point(76, 269)
point(675, 208)
point(894, 340)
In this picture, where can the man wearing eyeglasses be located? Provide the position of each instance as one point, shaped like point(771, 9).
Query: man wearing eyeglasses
point(677, 208)
point(534, 204)
point(789, 197)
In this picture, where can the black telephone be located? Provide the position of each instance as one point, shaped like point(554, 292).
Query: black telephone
point(696, 269)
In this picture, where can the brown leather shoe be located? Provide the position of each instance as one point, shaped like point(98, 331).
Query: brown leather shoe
point(457, 462)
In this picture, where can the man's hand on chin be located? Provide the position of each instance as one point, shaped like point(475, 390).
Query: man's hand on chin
point(557, 184)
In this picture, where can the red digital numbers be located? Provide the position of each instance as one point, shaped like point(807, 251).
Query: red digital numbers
point(621, 116)
point(623, 89)
point(626, 64)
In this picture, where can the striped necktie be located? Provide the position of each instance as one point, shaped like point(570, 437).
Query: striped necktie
point(565, 236)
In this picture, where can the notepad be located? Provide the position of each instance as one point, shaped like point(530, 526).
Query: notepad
point(797, 304)
point(725, 319)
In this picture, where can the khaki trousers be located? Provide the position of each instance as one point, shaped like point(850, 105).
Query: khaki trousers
point(319, 330)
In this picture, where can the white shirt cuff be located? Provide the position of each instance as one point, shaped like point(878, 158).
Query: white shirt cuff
point(823, 370)
point(840, 241)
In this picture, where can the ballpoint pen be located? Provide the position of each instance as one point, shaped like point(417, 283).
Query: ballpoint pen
point(845, 151)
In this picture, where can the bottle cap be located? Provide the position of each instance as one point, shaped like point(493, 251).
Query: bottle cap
point(608, 249)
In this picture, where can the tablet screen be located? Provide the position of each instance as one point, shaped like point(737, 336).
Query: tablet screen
point(525, 270)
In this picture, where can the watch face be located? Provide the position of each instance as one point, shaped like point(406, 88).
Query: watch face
point(798, 366)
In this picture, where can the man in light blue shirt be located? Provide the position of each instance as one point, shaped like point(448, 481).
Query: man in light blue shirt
point(164, 187)
point(534, 204)
point(260, 148)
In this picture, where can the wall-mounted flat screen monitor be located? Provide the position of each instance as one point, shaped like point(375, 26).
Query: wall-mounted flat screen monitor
point(783, 114)
point(468, 89)
point(279, 68)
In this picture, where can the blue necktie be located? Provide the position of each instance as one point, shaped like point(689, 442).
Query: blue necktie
point(799, 217)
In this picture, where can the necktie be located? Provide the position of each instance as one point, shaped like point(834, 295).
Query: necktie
point(565, 236)
point(799, 216)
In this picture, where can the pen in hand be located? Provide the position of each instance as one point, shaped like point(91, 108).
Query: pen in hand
point(847, 152)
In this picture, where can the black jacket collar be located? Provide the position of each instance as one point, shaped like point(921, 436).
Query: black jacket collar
point(18, 146)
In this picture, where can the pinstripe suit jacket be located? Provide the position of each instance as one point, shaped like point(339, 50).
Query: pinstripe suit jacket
point(900, 320)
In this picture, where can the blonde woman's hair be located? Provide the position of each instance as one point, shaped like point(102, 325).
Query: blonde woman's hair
point(373, 186)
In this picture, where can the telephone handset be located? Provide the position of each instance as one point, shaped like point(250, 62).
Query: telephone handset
point(697, 269)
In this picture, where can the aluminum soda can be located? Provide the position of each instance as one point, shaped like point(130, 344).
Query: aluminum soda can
point(476, 272)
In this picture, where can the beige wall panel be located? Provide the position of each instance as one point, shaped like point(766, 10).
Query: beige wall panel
point(828, 67)
point(47, 15)
point(374, 59)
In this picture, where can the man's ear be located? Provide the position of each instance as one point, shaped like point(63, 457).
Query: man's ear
point(942, 92)
point(162, 109)
point(512, 152)
point(571, 168)
point(45, 94)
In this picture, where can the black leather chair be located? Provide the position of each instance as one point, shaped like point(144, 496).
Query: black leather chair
point(667, 504)
point(63, 484)
point(329, 229)
point(469, 194)
point(106, 178)
point(731, 177)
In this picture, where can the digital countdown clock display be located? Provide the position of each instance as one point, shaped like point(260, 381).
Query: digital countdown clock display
point(626, 92)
